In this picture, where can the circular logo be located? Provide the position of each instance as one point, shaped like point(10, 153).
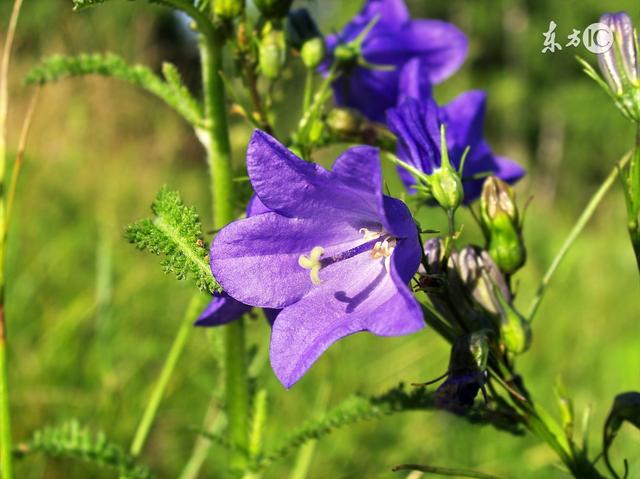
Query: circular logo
point(598, 38)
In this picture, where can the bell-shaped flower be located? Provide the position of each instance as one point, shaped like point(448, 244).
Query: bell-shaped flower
point(223, 308)
point(417, 123)
point(370, 83)
point(334, 253)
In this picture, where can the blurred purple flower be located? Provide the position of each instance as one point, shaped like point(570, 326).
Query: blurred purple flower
point(334, 253)
point(416, 123)
point(223, 308)
point(394, 40)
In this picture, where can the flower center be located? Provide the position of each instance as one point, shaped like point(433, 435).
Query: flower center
point(378, 244)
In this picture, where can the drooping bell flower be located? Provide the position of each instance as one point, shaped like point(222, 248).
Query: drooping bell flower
point(393, 39)
point(619, 64)
point(417, 123)
point(334, 253)
point(223, 308)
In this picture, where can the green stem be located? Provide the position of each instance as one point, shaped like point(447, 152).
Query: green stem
point(198, 301)
point(216, 135)
point(6, 457)
point(308, 90)
point(223, 196)
point(311, 113)
point(237, 393)
point(573, 235)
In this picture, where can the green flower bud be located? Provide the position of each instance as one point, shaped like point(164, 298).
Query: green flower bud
point(515, 330)
point(346, 54)
point(445, 182)
point(502, 225)
point(313, 52)
point(228, 9)
point(345, 123)
point(300, 28)
point(272, 53)
point(273, 9)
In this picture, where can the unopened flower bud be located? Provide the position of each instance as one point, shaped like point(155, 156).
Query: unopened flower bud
point(345, 123)
point(300, 28)
point(273, 9)
point(482, 278)
point(346, 53)
point(313, 52)
point(515, 330)
point(445, 182)
point(228, 9)
point(272, 53)
point(501, 223)
point(619, 64)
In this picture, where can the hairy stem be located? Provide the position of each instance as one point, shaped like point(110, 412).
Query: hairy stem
point(216, 134)
point(223, 196)
point(573, 235)
point(198, 301)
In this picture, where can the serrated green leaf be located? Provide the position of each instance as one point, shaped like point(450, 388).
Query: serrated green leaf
point(70, 440)
point(175, 233)
point(359, 408)
point(172, 91)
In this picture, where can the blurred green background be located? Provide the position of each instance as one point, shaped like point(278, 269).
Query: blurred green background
point(90, 319)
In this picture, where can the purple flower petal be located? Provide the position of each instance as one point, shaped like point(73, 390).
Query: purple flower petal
point(256, 207)
point(221, 310)
point(275, 173)
point(393, 41)
point(368, 300)
point(256, 259)
point(465, 114)
point(440, 46)
point(414, 81)
point(390, 13)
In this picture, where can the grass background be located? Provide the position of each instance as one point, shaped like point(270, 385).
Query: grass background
point(90, 319)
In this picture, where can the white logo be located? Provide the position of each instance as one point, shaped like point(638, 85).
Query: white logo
point(597, 38)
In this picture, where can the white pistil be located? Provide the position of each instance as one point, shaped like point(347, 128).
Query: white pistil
point(312, 263)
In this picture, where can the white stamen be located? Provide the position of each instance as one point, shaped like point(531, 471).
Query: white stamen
point(312, 263)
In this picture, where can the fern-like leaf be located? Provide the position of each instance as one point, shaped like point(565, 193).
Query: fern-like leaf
point(175, 233)
point(171, 90)
point(359, 408)
point(73, 441)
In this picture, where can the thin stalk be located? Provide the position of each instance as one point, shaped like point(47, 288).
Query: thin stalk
point(198, 301)
point(308, 90)
point(573, 235)
point(213, 423)
point(6, 459)
point(17, 164)
point(223, 196)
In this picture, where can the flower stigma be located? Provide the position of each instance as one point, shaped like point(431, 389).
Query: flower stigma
point(378, 244)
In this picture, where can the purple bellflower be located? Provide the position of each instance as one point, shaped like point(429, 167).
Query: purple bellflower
point(334, 253)
point(393, 40)
point(417, 120)
point(223, 308)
